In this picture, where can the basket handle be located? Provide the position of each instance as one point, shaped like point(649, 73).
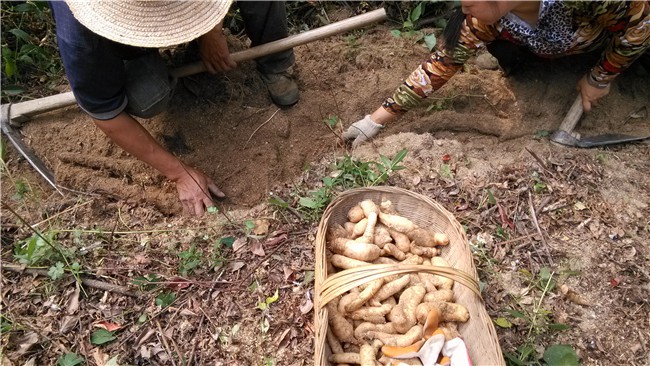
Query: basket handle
point(348, 279)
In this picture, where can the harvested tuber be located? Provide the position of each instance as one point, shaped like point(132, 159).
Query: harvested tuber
point(355, 214)
point(398, 223)
point(451, 312)
point(442, 282)
point(403, 315)
point(360, 227)
point(393, 251)
point(340, 326)
point(391, 288)
point(369, 234)
point(401, 240)
point(341, 261)
point(349, 229)
point(340, 358)
point(427, 238)
point(348, 299)
point(369, 312)
point(369, 206)
point(400, 340)
point(439, 296)
point(386, 206)
point(356, 250)
point(382, 236)
point(367, 355)
point(366, 330)
point(424, 251)
point(371, 289)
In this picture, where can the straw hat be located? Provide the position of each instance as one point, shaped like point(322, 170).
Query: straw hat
point(149, 23)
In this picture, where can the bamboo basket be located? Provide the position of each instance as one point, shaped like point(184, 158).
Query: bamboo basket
point(479, 333)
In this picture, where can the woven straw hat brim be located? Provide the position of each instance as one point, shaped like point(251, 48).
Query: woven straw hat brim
point(150, 23)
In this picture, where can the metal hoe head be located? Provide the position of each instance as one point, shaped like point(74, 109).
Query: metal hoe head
point(567, 139)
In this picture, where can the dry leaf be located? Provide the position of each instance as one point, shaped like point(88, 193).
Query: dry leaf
point(306, 306)
point(261, 227)
point(68, 322)
point(288, 272)
point(416, 180)
point(99, 357)
point(26, 342)
point(236, 266)
point(73, 300)
point(283, 339)
point(141, 259)
point(178, 283)
point(257, 249)
point(111, 327)
point(238, 244)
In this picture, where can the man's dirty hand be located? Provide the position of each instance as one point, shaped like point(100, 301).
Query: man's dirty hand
point(362, 130)
point(194, 190)
point(213, 48)
point(591, 93)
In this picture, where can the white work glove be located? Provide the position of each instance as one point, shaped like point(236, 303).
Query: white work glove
point(362, 130)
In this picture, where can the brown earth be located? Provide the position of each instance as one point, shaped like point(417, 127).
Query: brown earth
point(590, 225)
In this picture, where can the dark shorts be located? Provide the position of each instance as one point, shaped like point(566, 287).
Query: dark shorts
point(93, 64)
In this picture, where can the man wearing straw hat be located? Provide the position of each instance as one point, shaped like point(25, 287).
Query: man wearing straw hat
point(109, 51)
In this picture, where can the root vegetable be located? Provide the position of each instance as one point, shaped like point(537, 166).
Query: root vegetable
point(355, 214)
point(422, 237)
point(368, 206)
point(386, 206)
point(347, 299)
point(360, 227)
point(413, 259)
point(428, 280)
point(414, 280)
point(392, 250)
point(344, 262)
point(333, 342)
point(372, 311)
point(401, 340)
point(349, 229)
point(398, 223)
point(451, 312)
point(336, 231)
point(441, 239)
point(403, 315)
point(391, 288)
point(356, 250)
point(340, 326)
point(440, 281)
point(401, 240)
point(365, 331)
point(439, 296)
point(382, 236)
point(428, 252)
point(367, 355)
point(408, 362)
point(340, 358)
point(369, 234)
point(384, 260)
point(365, 295)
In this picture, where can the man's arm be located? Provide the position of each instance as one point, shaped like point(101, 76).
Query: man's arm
point(213, 47)
point(193, 186)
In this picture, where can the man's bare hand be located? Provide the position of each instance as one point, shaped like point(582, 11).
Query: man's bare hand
point(194, 190)
point(590, 94)
point(213, 48)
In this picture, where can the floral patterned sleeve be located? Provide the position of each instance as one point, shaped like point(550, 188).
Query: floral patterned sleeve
point(439, 67)
point(630, 23)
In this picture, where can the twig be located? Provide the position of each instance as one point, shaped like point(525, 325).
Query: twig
point(196, 337)
point(100, 285)
point(165, 343)
point(260, 126)
point(539, 230)
point(61, 213)
point(515, 239)
point(540, 161)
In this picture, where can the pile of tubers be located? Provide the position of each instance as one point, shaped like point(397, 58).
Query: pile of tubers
point(370, 322)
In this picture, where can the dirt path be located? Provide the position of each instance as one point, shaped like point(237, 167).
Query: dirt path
point(592, 206)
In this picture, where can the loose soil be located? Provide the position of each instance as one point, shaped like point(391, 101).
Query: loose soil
point(482, 151)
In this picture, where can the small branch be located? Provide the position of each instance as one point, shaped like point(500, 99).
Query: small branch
point(100, 285)
point(165, 343)
point(196, 338)
point(260, 126)
point(539, 230)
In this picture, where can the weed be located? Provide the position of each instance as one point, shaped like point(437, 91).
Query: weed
point(217, 258)
point(331, 120)
point(538, 185)
point(601, 157)
point(35, 250)
point(165, 299)
point(21, 188)
point(446, 172)
point(349, 173)
point(264, 307)
point(147, 282)
point(70, 359)
point(538, 322)
point(501, 232)
point(409, 28)
point(190, 260)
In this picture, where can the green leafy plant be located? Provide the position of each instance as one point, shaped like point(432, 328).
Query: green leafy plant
point(538, 322)
point(147, 282)
point(349, 173)
point(165, 299)
point(264, 307)
point(29, 52)
point(409, 25)
point(538, 185)
point(35, 250)
point(102, 336)
point(70, 359)
point(190, 260)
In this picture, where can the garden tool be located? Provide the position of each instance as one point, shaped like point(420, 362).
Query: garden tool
point(14, 115)
point(565, 136)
